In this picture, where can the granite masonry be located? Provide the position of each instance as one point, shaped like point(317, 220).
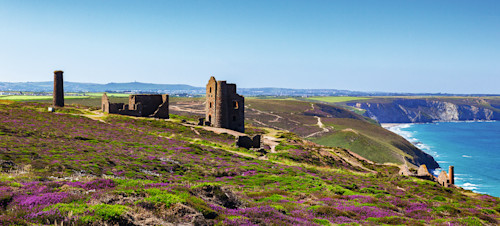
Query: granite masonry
point(224, 107)
point(153, 105)
point(58, 94)
point(444, 179)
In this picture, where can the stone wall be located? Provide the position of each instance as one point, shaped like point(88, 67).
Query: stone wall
point(443, 179)
point(247, 142)
point(423, 171)
point(139, 105)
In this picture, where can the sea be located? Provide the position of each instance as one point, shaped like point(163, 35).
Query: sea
point(472, 147)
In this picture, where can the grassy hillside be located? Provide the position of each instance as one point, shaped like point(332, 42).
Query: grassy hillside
point(344, 128)
point(31, 98)
point(341, 128)
point(80, 167)
point(337, 99)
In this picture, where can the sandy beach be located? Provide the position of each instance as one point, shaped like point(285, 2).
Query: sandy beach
point(389, 125)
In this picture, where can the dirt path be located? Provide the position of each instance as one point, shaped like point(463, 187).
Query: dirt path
point(185, 108)
point(267, 113)
point(219, 130)
point(94, 115)
point(271, 141)
point(321, 126)
point(266, 139)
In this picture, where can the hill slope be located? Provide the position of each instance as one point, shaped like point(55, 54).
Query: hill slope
point(339, 128)
point(81, 167)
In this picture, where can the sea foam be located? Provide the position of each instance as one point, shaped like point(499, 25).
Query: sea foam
point(472, 147)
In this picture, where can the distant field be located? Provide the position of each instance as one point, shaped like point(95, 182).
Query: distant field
point(109, 94)
point(337, 99)
point(27, 98)
point(88, 99)
point(270, 98)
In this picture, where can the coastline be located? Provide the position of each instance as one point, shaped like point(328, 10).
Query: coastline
point(396, 128)
point(387, 126)
point(464, 156)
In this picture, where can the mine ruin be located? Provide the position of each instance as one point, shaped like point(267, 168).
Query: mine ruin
point(58, 94)
point(224, 107)
point(444, 179)
point(144, 105)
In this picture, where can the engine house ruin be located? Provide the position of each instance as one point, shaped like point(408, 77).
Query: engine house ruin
point(224, 107)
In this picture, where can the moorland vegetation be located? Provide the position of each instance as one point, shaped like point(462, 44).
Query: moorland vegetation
point(79, 166)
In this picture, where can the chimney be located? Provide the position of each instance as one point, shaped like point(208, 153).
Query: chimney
point(451, 175)
point(58, 96)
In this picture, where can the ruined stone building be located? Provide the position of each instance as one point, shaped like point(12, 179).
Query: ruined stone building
point(443, 179)
point(224, 107)
point(139, 105)
point(58, 94)
point(447, 179)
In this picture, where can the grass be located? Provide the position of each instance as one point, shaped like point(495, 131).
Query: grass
point(270, 98)
point(369, 148)
point(74, 170)
point(337, 99)
point(345, 129)
point(103, 212)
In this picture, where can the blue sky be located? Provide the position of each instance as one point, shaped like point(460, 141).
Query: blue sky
point(399, 46)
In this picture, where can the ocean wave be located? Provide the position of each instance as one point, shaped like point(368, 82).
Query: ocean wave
point(453, 154)
point(423, 146)
point(469, 186)
point(468, 121)
point(409, 136)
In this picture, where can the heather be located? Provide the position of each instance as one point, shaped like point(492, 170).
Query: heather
point(67, 167)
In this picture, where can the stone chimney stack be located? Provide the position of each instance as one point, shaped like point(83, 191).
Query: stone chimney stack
point(451, 175)
point(58, 96)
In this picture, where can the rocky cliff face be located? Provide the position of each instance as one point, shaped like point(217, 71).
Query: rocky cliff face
point(426, 110)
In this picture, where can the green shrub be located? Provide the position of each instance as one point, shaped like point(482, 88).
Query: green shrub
point(371, 190)
point(281, 147)
point(158, 196)
point(447, 209)
point(200, 185)
point(340, 190)
point(201, 206)
point(393, 220)
point(108, 212)
point(488, 211)
point(439, 198)
point(101, 211)
point(274, 198)
point(321, 221)
point(470, 221)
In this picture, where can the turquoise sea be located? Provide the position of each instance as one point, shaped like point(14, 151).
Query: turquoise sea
point(472, 147)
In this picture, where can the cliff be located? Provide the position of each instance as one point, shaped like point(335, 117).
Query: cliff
point(406, 110)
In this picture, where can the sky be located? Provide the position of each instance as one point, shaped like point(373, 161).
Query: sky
point(392, 46)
